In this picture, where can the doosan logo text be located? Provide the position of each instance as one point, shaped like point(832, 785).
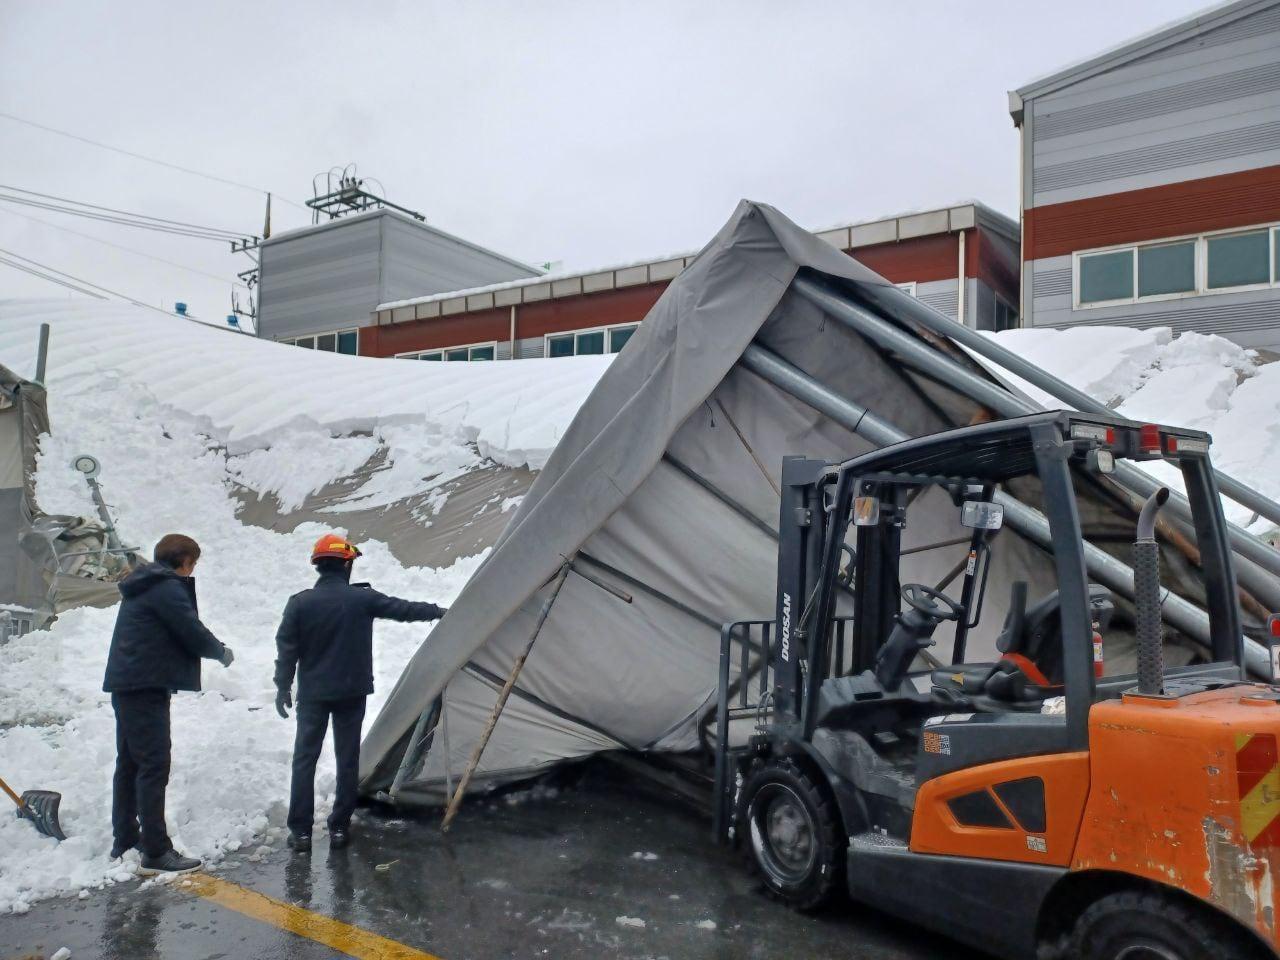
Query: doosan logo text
point(786, 628)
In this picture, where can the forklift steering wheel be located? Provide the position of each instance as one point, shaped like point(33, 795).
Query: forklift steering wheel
point(931, 602)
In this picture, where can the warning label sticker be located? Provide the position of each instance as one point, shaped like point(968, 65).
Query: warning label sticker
point(939, 743)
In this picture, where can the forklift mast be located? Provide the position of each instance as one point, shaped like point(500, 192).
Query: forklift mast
point(800, 535)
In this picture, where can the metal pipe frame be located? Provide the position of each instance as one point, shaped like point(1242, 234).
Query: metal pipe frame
point(902, 306)
point(1026, 520)
point(935, 364)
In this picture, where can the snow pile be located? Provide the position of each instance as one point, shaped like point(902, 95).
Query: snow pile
point(1204, 382)
point(164, 403)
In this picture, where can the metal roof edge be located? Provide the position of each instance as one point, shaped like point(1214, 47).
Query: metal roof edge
point(418, 224)
point(1163, 36)
point(982, 215)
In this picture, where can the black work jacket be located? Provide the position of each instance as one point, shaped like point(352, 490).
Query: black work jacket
point(326, 635)
point(158, 639)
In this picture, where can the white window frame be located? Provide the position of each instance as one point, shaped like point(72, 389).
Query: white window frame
point(1201, 266)
point(313, 337)
point(606, 330)
point(419, 354)
point(908, 287)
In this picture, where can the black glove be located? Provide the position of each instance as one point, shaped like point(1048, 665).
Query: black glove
point(440, 612)
point(227, 656)
point(284, 698)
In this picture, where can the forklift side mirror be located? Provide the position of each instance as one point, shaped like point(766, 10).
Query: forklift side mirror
point(866, 511)
point(981, 515)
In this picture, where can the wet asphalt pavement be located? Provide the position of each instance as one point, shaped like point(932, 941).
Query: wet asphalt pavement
point(571, 875)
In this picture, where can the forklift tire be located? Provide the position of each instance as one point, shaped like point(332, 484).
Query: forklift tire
point(1138, 925)
point(794, 834)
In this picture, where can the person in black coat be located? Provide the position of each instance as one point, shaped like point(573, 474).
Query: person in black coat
point(156, 650)
point(326, 635)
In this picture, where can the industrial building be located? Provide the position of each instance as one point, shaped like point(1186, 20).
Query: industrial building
point(963, 260)
point(318, 286)
point(1151, 181)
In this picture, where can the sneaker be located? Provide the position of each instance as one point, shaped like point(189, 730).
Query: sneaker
point(300, 842)
point(339, 837)
point(171, 861)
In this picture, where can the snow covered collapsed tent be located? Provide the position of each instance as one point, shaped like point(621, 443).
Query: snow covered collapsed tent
point(665, 489)
point(47, 563)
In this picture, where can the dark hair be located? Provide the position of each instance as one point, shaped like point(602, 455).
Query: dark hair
point(332, 564)
point(175, 550)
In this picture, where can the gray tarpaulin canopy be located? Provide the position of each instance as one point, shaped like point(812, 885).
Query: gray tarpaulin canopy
point(665, 487)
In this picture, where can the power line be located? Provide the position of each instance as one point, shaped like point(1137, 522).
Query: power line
point(105, 218)
point(118, 246)
point(81, 280)
point(44, 276)
point(145, 158)
point(141, 217)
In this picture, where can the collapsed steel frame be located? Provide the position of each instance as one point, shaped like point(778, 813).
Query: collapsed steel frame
point(874, 314)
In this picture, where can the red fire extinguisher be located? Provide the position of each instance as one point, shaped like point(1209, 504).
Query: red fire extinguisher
point(1097, 655)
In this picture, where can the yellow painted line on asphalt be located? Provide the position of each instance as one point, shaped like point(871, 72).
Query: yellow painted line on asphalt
point(343, 937)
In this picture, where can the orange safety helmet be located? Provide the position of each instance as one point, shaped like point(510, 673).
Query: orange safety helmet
point(332, 545)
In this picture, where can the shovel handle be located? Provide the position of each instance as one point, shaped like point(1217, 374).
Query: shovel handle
point(13, 796)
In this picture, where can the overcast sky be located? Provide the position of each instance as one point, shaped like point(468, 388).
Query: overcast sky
point(582, 132)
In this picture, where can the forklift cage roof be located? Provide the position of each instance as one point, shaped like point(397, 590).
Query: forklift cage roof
point(997, 451)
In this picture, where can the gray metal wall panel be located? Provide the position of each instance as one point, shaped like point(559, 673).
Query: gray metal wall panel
point(529, 348)
point(939, 294)
point(1207, 106)
point(1251, 318)
point(418, 262)
point(320, 281)
point(336, 276)
point(503, 350)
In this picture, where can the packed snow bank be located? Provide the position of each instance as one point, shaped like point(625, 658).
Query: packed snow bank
point(160, 401)
point(251, 392)
point(1199, 381)
point(231, 751)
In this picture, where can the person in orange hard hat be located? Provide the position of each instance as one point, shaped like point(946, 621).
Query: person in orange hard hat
point(326, 637)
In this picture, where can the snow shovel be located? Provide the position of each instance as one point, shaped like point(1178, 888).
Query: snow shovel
point(41, 808)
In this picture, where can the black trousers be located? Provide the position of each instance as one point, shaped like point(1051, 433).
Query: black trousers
point(142, 770)
point(313, 719)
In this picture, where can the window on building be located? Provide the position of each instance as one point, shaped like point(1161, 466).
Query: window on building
point(1169, 268)
point(476, 351)
point(1106, 276)
point(591, 343)
point(1211, 263)
point(1005, 317)
point(1239, 260)
point(909, 287)
point(619, 336)
point(336, 341)
point(598, 340)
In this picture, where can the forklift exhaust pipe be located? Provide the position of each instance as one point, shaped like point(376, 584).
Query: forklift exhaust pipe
point(1146, 598)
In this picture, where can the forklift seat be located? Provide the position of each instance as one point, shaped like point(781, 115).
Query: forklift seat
point(1031, 643)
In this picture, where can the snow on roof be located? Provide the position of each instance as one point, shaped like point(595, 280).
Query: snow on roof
point(250, 391)
point(982, 212)
point(1134, 47)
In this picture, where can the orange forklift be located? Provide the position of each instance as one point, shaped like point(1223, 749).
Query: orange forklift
point(1026, 804)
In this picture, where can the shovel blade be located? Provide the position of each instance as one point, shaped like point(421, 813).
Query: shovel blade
point(41, 808)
